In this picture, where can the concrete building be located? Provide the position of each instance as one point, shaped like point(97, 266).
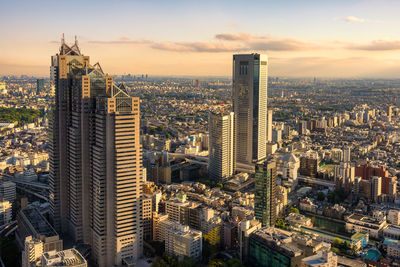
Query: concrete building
point(269, 125)
point(321, 259)
point(220, 149)
point(32, 223)
point(393, 217)
point(364, 224)
point(265, 193)
point(147, 216)
point(245, 228)
point(8, 191)
point(95, 159)
point(70, 257)
point(182, 241)
point(309, 164)
point(5, 212)
point(376, 187)
point(250, 75)
point(33, 250)
point(159, 234)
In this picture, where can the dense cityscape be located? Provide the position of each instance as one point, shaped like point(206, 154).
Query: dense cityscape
point(185, 181)
point(200, 134)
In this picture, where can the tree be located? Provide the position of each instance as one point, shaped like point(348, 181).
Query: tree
point(293, 210)
point(320, 196)
point(337, 242)
point(280, 224)
point(187, 262)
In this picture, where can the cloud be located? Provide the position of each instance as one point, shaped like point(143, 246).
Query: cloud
point(197, 47)
point(122, 40)
point(378, 45)
point(236, 36)
point(352, 19)
point(282, 45)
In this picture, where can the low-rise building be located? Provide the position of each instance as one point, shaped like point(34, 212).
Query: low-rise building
point(182, 241)
point(364, 224)
point(70, 257)
point(393, 217)
point(324, 258)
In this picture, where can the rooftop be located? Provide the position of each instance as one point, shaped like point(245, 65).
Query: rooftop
point(69, 257)
point(39, 222)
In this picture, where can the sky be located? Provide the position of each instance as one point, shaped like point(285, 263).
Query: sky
point(307, 38)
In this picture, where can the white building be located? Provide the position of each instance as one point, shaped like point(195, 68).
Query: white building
point(221, 153)
point(364, 224)
point(393, 217)
point(324, 258)
point(70, 257)
point(182, 241)
point(393, 250)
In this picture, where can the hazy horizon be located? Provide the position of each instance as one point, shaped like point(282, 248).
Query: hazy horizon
point(341, 39)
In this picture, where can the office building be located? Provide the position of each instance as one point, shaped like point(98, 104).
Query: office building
point(181, 241)
point(393, 217)
point(221, 164)
point(159, 233)
point(33, 250)
point(376, 187)
point(32, 223)
point(5, 212)
point(147, 216)
point(245, 229)
point(346, 155)
point(95, 160)
point(68, 258)
point(250, 78)
point(309, 164)
point(324, 258)
point(39, 86)
point(364, 224)
point(8, 191)
point(265, 193)
point(273, 247)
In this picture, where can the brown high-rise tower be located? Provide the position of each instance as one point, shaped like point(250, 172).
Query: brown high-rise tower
point(95, 159)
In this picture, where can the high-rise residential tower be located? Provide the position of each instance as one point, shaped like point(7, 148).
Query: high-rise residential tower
point(269, 125)
point(250, 77)
point(265, 193)
point(95, 159)
point(220, 147)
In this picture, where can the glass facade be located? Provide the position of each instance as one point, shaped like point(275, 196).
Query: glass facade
point(261, 255)
point(264, 199)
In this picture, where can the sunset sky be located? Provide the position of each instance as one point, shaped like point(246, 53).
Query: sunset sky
point(302, 38)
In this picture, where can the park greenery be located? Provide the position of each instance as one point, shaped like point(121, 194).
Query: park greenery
point(21, 115)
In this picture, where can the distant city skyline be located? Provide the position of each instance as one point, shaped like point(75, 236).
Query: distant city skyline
point(350, 39)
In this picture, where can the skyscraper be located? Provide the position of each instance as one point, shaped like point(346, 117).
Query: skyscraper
point(220, 147)
point(250, 107)
point(269, 126)
point(265, 188)
point(95, 159)
point(39, 86)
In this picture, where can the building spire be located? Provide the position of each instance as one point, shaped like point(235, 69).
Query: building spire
point(62, 39)
point(76, 41)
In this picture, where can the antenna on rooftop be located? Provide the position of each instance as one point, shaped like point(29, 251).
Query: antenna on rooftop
point(62, 39)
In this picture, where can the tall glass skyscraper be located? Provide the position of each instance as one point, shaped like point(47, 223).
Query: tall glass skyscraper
point(95, 160)
point(264, 197)
point(250, 78)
